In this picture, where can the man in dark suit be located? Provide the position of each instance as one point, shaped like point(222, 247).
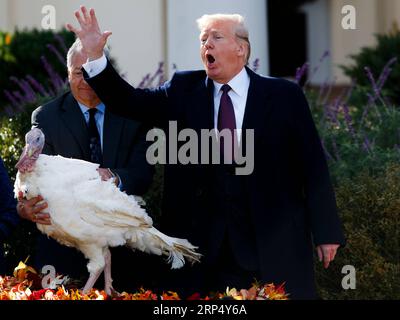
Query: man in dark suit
point(78, 125)
point(8, 214)
point(262, 225)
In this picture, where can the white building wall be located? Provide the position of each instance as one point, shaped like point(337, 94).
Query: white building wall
point(347, 42)
point(183, 35)
point(146, 32)
point(137, 42)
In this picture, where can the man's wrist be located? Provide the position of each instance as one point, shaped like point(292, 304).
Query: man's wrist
point(95, 55)
point(94, 67)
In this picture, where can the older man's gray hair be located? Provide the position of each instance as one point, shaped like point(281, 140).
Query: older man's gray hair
point(77, 48)
point(240, 30)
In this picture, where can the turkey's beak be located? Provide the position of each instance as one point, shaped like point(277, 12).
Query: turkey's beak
point(24, 156)
point(30, 151)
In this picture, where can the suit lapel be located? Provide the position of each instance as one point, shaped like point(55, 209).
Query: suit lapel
point(257, 104)
point(75, 122)
point(112, 129)
point(200, 108)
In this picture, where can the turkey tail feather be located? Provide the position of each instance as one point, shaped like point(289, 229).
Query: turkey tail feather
point(155, 242)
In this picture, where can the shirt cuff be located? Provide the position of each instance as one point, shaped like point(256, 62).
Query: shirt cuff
point(94, 67)
point(120, 182)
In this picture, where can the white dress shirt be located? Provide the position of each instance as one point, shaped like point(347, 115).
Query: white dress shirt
point(94, 67)
point(238, 94)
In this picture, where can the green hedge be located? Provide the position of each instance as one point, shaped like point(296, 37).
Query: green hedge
point(370, 211)
point(380, 62)
point(22, 54)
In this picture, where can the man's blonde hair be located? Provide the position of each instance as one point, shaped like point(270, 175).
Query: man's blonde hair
point(240, 30)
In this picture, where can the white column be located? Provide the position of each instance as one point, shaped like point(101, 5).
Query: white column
point(318, 40)
point(183, 35)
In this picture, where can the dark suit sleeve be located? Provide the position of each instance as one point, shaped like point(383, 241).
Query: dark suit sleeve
point(138, 175)
point(8, 214)
point(148, 106)
point(319, 194)
point(38, 121)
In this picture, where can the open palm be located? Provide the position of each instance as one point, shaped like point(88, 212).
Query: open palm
point(93, 40)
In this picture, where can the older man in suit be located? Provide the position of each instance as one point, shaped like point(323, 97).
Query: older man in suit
point(262, 225)
point(78, 125)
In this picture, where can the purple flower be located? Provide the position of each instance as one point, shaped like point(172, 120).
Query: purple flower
point(61, 42)
point(27, 91)
point(367, 145)
point(322, 89)
point(300, 72)
point(372, 80)
point(325, 55)
point(316, 68)
point(9, 112)
point(36, 85)
point(20, 99)
point(349, 121)
point(158, 73)
point(328, 93)
point(329, 157)
point(11, 98)
point(144, 81)
point(256, 64)
point(335, 149)
point(59, 56)
point(385, 73)
point(55, 78)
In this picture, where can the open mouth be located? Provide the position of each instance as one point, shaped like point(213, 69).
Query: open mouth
point(210, 58)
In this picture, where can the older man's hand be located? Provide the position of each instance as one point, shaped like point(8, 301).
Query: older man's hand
point(93, 40)
point(327, 253)
point(106, 174)
point(32, 209)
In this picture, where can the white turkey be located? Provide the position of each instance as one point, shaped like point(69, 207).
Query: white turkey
point(90, 214)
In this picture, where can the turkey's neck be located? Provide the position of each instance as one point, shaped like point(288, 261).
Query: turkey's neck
point(27, 164)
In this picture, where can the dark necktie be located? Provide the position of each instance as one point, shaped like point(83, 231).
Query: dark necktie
point(94, 139)
point(226, 120)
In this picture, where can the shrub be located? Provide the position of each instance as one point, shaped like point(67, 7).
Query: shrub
point(24, 53)
point(370, 210)
point(356, 136)
point(361, 143)
point(376, 58)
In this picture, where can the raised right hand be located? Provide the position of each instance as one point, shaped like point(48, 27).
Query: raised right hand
point(93, 40)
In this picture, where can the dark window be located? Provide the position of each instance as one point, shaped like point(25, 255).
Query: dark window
point(287, 37)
